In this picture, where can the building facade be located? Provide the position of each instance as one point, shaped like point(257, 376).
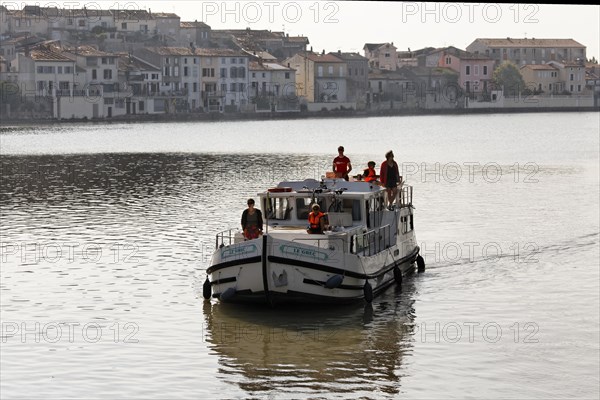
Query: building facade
point(528, 51)
point(381, 55)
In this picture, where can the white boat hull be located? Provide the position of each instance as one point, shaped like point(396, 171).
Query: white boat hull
point(273, 270)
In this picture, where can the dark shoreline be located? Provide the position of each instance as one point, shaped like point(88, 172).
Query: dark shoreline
point(225, 117)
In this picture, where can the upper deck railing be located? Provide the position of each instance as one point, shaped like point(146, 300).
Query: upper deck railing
point(373, 241)
point(405, 196)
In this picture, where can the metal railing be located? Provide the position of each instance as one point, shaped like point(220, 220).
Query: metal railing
point(373, 241)
point(226, 237)
point(405, 196)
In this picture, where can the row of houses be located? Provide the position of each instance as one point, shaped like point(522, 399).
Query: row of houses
point(552, 66)
point(205, 70)
point(518, 51)
point(125, 29)
point(86, 82)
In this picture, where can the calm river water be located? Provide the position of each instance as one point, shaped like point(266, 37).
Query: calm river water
point(106, 232)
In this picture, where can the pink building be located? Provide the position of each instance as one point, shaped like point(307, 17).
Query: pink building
point(475, 71)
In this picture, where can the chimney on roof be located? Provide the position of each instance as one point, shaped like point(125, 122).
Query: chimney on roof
point(288, 65)
point(323, 52)
point(339, 52)
point(311, 50)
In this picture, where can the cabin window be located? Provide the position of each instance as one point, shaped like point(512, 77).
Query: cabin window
point(303, 208)
point(356, 211)
point(406, 223)
point(277, 208)
point(373, 209)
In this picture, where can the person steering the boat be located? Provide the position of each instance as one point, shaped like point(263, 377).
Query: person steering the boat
point(252, 222)
point(342, 165)
point(390, 178)
point(369, 174)
point(316, 220)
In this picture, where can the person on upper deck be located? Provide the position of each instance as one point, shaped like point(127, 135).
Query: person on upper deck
point(252, 222)
point(342, 165)
point(369, 174)
point(316, 220)
point(390, 178)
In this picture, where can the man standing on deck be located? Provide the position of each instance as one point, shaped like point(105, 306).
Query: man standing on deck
point(341, 165)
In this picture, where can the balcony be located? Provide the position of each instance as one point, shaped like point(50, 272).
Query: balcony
point(173, 93)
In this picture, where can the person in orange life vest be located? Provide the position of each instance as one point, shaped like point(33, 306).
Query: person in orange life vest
point(316, 220)
point(341, 164)
point(390, 177)
point(252, 222)
point(369, 174)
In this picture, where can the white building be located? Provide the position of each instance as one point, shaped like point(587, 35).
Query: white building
point(233, 79)
point(271, 84)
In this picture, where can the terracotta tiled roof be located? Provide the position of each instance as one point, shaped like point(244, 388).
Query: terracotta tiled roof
point(300, 39)
point(349, 56)
point(187, 51)
point(82, 12)
point(193, 24)
point(131, 15)
point(514, 42)
point(127, 63)
point(372, 46)
point(164, 15)
point(47, 54)
point(265, 56)
point(256, 66)
point(219, 52)
point(461, 54)
point(89, 51)
point(324, 58)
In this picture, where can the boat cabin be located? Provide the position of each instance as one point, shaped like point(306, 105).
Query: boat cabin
point(351, 207)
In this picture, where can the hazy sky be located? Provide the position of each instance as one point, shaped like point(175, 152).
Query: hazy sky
point(348, 25)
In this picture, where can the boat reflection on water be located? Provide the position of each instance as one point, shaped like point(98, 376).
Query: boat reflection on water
point(351, 350)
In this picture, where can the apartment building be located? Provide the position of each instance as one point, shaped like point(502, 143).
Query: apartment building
point(320, 78)
point(528, 51)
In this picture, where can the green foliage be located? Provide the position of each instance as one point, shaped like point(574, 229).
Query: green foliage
point(508, 77)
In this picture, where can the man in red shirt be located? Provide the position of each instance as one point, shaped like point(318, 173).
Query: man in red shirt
point(341, 164)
